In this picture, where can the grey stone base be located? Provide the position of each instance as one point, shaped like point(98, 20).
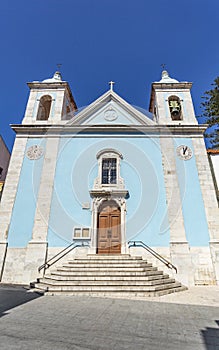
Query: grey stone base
point(195, 265)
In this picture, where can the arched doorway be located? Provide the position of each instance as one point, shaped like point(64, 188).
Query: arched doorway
point(109, 228)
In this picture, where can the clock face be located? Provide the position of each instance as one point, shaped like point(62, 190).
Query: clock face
point(184, 152)
point(34, 152)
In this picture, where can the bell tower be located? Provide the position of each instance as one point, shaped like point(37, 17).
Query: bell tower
point(50, 102)
point(171, 102)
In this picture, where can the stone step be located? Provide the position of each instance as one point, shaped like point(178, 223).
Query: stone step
point(106, 269)
point(109, 257)
point(105, 273)
point(117, 294)
point(55, 282)
point(107, 265)
point(107, 288)
point(58, 277)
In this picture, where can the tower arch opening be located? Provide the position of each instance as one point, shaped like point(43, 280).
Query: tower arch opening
point(44, 107)
point(175, 107)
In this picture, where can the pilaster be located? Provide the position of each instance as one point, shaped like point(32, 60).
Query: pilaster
point(43, 205)
point(37, 248)
point(174, 205)
point(181, 258)
point(36, 255)
point(207, 188)
point(209, 199)
point(179, 247)
point(214, 248)
point(58, 106)
point(11, 186)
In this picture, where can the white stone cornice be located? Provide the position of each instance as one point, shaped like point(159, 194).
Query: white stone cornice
point(140, 130)
point(62, 85)
point(181, 85)
point(46, 85)
point(102, 193)
point(104, 99)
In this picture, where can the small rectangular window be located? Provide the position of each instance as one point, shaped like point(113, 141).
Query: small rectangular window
point(1, 172)
point(85, 233)
point(109, 175)
point(81, 233)
point(77, 233)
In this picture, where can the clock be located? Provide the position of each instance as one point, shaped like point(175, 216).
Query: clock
point(184, 152)
point(34, 152)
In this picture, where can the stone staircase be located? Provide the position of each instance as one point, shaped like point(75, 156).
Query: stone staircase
point(100, 275)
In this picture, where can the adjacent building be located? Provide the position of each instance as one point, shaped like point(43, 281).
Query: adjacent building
point(214, 165)
point(4, 163)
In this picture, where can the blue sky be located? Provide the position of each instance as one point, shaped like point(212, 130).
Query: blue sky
point(99, 40)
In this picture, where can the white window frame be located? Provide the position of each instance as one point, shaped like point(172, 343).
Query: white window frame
point(104, 154)
point(81, 233)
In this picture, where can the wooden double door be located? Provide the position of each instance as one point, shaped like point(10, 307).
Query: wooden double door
point(109, 229)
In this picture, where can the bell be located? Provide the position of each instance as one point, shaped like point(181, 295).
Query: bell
point(175, 111)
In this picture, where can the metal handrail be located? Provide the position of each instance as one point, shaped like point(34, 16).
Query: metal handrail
point(151, 251)
point(47, 264)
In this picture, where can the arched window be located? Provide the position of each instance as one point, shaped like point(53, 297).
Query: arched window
point(44, 107)
point(109, 169)
point(175, 108)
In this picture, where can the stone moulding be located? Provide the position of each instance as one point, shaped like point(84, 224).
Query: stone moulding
point(113, 130)
point(109, 193)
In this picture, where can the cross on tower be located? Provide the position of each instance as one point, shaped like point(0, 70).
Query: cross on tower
point(111, 83)
point(163, 65)
point(59, 66)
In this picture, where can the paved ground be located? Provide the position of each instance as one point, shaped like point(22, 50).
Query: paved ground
point(203, 295)
point(85, 323)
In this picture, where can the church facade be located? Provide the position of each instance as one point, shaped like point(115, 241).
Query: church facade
point(107, 175)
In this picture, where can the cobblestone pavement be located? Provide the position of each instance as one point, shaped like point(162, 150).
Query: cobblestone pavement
point(86, 323)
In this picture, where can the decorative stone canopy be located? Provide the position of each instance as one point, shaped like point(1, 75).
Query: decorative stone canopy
point(56, 78)
point(166, 79)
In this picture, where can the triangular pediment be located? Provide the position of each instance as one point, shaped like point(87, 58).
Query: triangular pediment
point(111, 109)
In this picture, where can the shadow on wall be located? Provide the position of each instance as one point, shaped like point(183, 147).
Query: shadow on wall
point(12, 296)
point(211, 337)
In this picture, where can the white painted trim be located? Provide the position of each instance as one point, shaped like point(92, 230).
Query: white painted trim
point(105, 98)
point(101, 193)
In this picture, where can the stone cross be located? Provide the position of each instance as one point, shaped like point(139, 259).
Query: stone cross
point(111, 83)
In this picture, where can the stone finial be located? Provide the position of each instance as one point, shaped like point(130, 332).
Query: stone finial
point(165, 74)
point(55, 79)
point(57, 76)
point(166, 78)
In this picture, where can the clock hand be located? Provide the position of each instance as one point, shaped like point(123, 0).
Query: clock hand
point(184, 150)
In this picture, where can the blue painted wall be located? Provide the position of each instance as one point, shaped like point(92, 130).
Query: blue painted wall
point(141, 168)
point(142, 171)
point(191, 197)
point(20, 230)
